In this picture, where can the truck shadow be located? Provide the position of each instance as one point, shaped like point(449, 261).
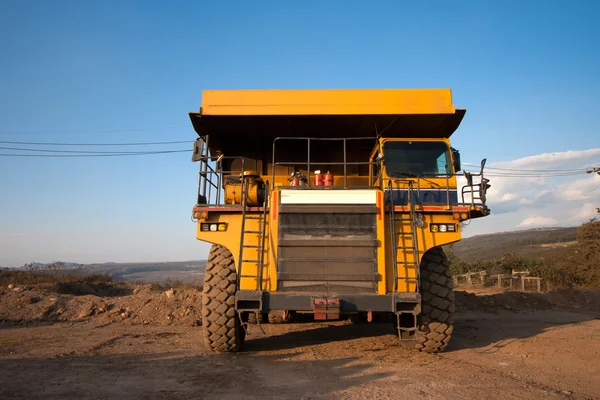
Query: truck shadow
point(490, 332)
point(177, 375)
point(472, 330)
point(308, 336)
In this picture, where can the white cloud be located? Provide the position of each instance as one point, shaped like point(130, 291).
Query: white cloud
point(587, 211)
point(582, 189)
point(548, 160)
point(533, 201)
point(509, 197)
point(532, 222)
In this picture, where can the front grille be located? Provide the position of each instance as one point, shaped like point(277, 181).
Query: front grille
point(327, 252)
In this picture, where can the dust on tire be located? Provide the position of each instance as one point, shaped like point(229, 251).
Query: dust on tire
point(436, 321)
point(221, 327)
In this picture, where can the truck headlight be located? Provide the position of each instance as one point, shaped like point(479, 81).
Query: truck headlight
point(213, 226)
point(442, 227)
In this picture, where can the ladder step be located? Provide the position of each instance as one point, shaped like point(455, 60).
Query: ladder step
point(248, 276)
point(252, 217)
point(256, 232)
point(404, 233)
point(408, 329)
point(406, 263)
point(406, 247)
point(252, 261)
point(403, 219)
point(251, 246)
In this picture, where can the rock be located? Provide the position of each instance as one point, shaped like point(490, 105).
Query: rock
point(102, 307)
point(87, 311)
point(29, 299)
point(125, 314)
point(170, 293)
point(11, 286)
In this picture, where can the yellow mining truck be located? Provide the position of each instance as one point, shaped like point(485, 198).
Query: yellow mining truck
point(330, 202)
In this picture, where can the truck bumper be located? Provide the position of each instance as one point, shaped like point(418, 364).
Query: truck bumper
point(247, 300)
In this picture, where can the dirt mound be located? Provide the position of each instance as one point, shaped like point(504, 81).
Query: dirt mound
point(145, 304)
point(559, 299)
point(134, 304)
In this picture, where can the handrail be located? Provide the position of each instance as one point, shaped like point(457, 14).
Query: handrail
point(345, 163)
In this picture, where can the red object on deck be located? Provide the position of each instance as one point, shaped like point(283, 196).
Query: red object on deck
point(318, 178)
point(328, 179)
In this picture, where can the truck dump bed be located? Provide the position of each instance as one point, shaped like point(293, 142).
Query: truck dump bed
point(247, 119)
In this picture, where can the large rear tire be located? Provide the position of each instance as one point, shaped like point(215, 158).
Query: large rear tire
point(436, 321)
point(221, 326)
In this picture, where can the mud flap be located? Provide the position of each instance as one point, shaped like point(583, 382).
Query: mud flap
point(326, 309)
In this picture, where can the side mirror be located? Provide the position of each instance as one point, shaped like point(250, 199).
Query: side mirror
point(456, 160)
point(198, 150)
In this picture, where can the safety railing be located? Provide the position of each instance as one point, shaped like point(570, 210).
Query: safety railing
point(211, 179)
point(475, 188)
point(313, 163)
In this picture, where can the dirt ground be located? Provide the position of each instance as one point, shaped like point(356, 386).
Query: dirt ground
point(505, 346)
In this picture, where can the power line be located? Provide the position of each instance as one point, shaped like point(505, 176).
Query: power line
point(530, 170)
point(99, 130)
point(141, 153)
point(74, 151)
point(95, 144)
point(527, 175)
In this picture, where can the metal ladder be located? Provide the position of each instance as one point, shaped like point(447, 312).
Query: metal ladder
point(260, 248)
point(399, 239)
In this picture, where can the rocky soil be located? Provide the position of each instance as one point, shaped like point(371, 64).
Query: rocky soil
point(113, 341)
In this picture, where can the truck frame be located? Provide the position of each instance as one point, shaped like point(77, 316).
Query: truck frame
point(330, 202)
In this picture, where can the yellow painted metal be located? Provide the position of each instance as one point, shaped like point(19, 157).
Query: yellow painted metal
point(327, 102)
point(407, 281)
point(233, 193)
point(426, 241)
point(382, 269)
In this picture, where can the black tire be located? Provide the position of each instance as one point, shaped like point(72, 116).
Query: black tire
point(281, 316)
point(436, 321)
point(221, 326)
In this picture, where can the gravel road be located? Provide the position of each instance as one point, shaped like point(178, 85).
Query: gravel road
point(546, 354)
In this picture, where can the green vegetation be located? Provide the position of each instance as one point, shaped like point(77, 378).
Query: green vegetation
point(53, 273)
point(573, 265)
point(152, 272)
point(533, 243)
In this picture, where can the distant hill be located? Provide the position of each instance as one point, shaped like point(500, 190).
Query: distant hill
point(533, 243)
point(159, 272)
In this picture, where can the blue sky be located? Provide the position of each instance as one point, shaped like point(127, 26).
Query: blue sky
point(116, 71)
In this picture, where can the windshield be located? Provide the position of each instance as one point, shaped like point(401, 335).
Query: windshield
point(404, 159)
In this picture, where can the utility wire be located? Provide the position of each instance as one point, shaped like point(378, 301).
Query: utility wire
point(524, 174)
point(141, 153)
point(96, 144)
point(75, 151)
point(98, 131)
point(529, 170)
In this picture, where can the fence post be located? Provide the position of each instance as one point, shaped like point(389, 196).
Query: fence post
point(539, 281)
point(522, 283)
